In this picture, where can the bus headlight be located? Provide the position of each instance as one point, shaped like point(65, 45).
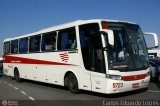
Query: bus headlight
point(114, 77)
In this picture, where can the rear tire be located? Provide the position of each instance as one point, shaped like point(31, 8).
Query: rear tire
point(17, 75)
point(73, 84)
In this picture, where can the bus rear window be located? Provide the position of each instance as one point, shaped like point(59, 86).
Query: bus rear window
point(6, 48)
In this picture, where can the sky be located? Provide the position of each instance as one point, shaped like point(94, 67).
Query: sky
point(18, 17)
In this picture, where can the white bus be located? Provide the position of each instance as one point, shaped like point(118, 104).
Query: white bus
point(105, 56)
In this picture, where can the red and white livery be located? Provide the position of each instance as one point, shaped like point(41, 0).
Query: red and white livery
point(105, 56)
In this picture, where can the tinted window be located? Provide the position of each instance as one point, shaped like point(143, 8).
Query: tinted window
point(23, 45)
point(49, 41)
point(6, 47)
point(67, 39)
point(14, 46)
point(89, 44)
point(34, 45)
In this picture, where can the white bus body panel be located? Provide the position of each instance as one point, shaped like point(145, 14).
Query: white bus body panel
point(52, 68)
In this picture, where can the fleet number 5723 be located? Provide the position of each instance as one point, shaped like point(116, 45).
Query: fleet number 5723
point(117, 85)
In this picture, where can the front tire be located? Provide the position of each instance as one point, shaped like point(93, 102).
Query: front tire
point(73, 84)
point(17, 75)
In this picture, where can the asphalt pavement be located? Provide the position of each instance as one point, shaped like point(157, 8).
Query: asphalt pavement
point(42, 94)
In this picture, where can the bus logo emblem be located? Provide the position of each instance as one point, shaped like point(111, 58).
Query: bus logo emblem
point(64, 57)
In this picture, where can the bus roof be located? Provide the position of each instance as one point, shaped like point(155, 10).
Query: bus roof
point(65, 25)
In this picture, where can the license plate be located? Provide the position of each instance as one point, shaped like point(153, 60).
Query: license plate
point(136, 85)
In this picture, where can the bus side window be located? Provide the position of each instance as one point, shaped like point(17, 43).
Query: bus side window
point(14, 46)
point(6, 48)
point(49, 41)
point(67, 39)
point(34, 43)
point(64, 40)
point(23, 45)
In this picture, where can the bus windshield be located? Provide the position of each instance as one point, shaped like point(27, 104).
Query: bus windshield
point(129, 52)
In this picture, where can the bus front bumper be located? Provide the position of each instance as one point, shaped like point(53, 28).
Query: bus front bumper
point(119, 86)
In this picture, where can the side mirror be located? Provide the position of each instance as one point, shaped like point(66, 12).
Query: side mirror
point(107, 36)
point(156, 45)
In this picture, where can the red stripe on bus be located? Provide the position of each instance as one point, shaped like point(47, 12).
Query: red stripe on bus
point(64, 56)
point(133, 77)
point(22, 60)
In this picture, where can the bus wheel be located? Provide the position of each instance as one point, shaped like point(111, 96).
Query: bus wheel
point(16, 75)
point(73, 84)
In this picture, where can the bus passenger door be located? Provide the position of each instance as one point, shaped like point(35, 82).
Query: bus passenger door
point(97, 65)
point(93, 59)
